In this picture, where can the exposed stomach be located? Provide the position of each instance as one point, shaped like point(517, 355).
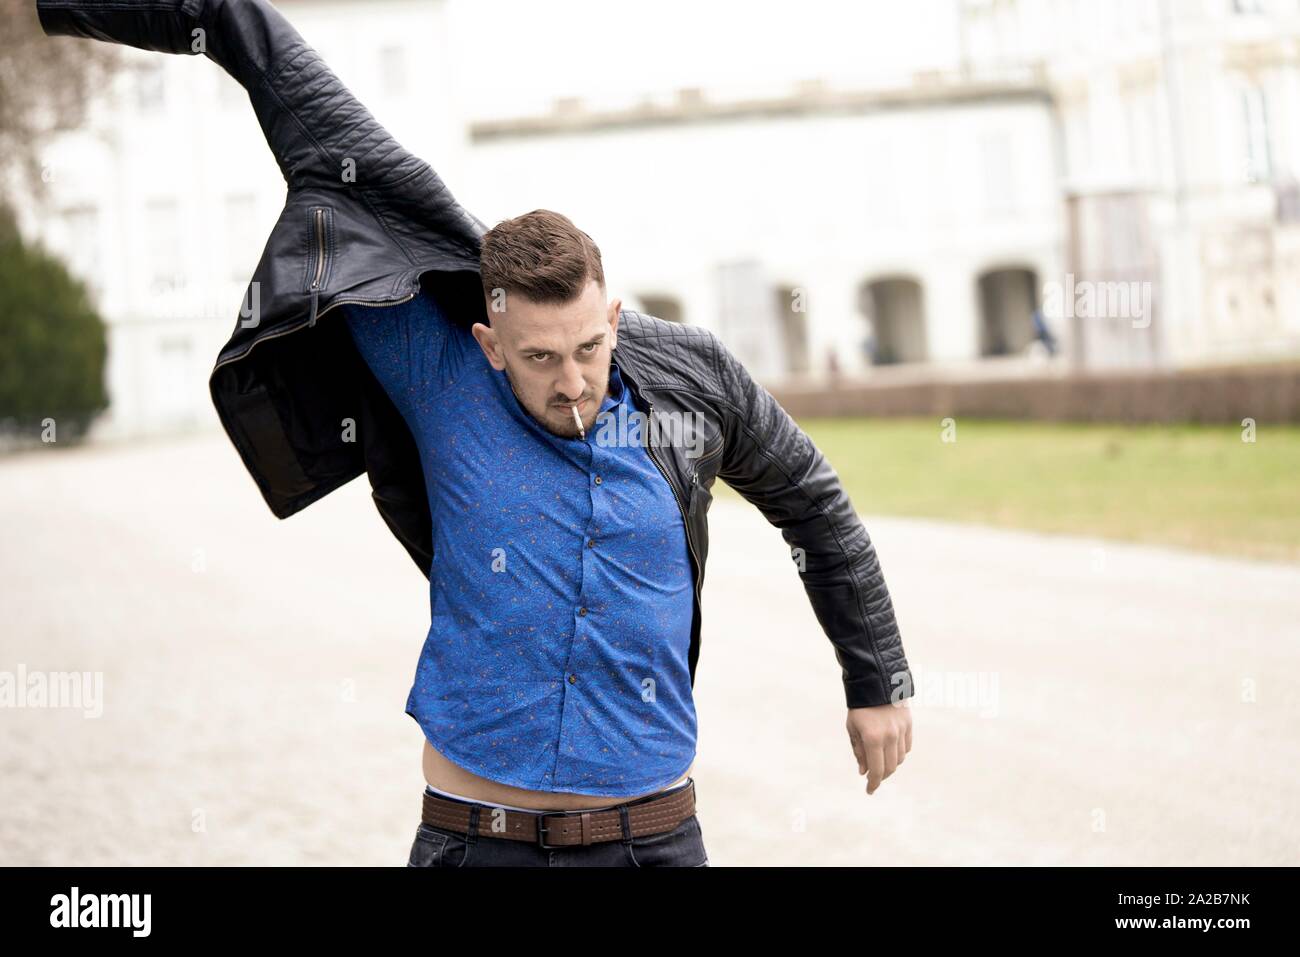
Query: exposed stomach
point(446, 775)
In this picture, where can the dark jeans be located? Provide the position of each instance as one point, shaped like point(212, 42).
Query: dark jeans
point(440, 847)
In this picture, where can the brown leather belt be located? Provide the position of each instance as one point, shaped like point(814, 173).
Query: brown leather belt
point(551, 829)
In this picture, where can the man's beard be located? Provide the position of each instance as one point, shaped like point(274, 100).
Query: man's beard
point(567, 431)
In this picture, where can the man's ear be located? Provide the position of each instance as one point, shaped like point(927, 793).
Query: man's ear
point(486, 338)
point(615, 308)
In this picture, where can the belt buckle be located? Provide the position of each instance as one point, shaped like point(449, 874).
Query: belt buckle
point(541, 828)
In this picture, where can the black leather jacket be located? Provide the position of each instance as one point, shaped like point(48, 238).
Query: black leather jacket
point(365, 221)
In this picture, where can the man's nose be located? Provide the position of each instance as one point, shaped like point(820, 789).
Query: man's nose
point(571, 384)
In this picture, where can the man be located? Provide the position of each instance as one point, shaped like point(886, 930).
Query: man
point(554, 688)
point(556, 671)
point(555, 674)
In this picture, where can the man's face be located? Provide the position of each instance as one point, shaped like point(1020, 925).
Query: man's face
point(554, 356)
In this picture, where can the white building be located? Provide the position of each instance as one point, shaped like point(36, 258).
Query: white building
point(163, 202)
point(906, 229)
point(1181, 128)
point(1128, 167)
point(783, 222)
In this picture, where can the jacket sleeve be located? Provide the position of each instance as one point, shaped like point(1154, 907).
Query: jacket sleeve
point(285, 78)
point(773, 463)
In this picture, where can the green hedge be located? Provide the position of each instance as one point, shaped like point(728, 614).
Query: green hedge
point(53, 344)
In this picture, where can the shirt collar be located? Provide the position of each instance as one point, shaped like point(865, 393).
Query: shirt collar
point(616, 389)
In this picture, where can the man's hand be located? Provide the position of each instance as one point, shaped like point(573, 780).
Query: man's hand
point(881, 738)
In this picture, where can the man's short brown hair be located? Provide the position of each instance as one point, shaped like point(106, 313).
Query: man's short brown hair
point(541, 256)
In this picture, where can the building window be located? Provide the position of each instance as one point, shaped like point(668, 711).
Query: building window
point(241, 240)
point(392, 70)
point(162, 221)
point(662, 307)
point(998, 159)
point(150, 89)
point(80, 246)
point(174, 397)
point(231, 95)
point(1259, 165)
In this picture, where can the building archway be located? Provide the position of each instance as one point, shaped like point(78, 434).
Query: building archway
point(895, 310)
point(662, 307)
point(1008, 300)
point(792, 317)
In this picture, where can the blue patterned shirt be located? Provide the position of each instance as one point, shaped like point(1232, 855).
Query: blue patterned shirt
point(561, 596)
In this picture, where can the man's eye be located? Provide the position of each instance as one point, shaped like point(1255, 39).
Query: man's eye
point(539, 355)
point(590, 347)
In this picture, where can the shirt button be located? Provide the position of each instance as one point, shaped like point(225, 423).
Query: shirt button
point(597, 479)
point(582, 611)
point(591, 543)
point(573, 679)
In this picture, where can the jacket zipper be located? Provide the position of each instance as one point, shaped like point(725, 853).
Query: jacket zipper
point(320, 248)
point(686, 523)
point(695, 469)
point(338, 302)
point(319, 216)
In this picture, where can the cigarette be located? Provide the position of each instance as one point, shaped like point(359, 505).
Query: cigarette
point(578, 419)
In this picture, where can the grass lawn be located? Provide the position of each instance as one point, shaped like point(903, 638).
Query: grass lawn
point(1197, 487)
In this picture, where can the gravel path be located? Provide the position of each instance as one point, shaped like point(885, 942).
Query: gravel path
point(1079, 702)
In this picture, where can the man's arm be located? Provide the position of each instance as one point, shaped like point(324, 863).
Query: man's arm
point(773, 463)
point(410, 348)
